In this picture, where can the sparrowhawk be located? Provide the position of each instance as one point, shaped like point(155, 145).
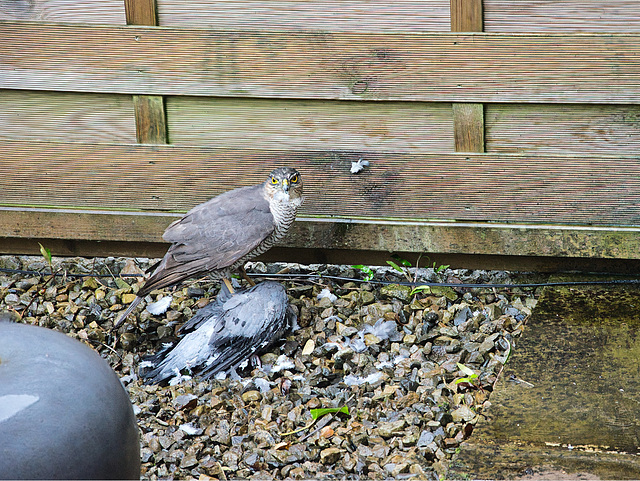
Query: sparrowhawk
point(223, 233)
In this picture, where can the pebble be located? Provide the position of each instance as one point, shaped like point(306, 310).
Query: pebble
point(406, 414)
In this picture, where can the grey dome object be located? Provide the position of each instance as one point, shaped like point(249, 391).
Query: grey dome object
point(225, 333)
point(63, 411)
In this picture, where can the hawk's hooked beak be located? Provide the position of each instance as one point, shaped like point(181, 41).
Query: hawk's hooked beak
point(285, 185)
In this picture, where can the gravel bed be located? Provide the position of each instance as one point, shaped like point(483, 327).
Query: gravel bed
point(415, 370)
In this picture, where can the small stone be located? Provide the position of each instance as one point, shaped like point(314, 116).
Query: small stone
point(409, 339)
point(370, 339)
point(309, 346)
point(128, 298)
point(185, 401)
point(325, 302)
point(326, 432)
point(388, 429)
point(426, 438)
point(188, 461)
point(447, 292)
point(330, 455)
point(13, 299)
point(367, 297)
point(128, 340)
point(90, 283)
point(396, 291)
point(297, 473)
point(251, 396)
point(230, 459)
point(216, 403)
point(463, 413)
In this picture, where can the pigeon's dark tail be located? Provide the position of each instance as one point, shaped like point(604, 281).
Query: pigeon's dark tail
point(151, 371)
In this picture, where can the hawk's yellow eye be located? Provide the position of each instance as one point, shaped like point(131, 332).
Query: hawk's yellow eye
point(294, 179)
point(274, 180)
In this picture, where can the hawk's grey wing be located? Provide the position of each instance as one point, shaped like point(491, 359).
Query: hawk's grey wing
point(214, 235)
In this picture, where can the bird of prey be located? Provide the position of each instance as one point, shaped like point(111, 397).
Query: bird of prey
point(223, 233)
point(224, 334)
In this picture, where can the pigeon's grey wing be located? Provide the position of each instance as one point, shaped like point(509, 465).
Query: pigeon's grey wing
point(190, 353)
point(202, 315)
point(227, 334)
point(214, 308)
point(250, 327)
point(213, 236)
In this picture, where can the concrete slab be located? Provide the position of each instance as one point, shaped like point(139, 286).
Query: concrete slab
point(568, 400)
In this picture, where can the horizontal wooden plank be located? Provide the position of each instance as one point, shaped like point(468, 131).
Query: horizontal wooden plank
point(622, 16)
point(310, 125)
point(332, 234)
point(320, 15)
point(395, 66)
point(478, 187)
point(538, 128)
point(64, 11)
point(74, 117)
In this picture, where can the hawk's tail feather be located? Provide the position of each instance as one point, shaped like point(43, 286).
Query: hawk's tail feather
point(129, 310)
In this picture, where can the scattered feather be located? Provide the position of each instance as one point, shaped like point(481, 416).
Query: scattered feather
point(359, 165)
point(262, 384)
point(128, 378)
point(178, 378)
point(384, 330)
point(161, 306)
point(191, 429)
point(327, 293)
point(357, 344)
point(353, 380)
point(283, 362)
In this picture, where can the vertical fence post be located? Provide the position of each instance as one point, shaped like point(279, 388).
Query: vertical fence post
point(151, 120)
point(468, 118)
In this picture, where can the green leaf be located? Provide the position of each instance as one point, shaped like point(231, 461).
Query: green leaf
point(368, 273)
point(317, 413)
point(402, 261)
point(46, 253)
point(395, 266)
point(420, 289)
point(440, 268)
point(465, 369)
point(466, 379)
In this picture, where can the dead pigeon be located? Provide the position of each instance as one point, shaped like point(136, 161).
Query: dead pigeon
point(224, 334)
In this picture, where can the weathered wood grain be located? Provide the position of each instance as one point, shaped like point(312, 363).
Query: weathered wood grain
point(296, 15)
point(310, 125)
point(557, 189)
point(468, 118)
point(468, 127)
point(466, 16)
point(331, 235)
point(621, 16)
point(562, 129)
point(74, 117)
point(429, 67)
point(151, 121)
point(64, 11)
point(140, 12)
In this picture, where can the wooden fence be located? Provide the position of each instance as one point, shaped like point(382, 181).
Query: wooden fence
point(503, 129)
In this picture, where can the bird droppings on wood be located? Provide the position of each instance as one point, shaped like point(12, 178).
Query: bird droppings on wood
point(395, 362)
